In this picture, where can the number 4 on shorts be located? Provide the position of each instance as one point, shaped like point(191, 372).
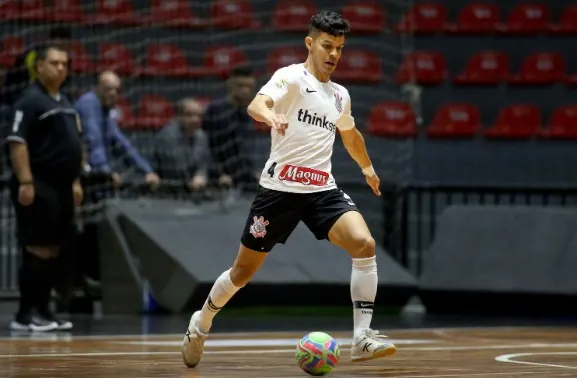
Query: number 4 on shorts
point(270, 170)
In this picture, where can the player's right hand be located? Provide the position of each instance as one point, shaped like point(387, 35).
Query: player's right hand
point(279, 123)
point(26, 194)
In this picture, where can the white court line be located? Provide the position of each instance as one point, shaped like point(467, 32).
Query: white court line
point(254, 343)
point(292, 350)
point(511, 359)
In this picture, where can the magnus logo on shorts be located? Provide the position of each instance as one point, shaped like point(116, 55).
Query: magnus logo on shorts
point(306, 176)
point(314, 120)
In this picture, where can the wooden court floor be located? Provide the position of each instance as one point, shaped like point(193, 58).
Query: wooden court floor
point(473, 352)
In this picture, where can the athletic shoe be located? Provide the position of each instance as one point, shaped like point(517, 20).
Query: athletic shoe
point(193, 343)
point(32, 323)
point(370, 345)
point(62, 324)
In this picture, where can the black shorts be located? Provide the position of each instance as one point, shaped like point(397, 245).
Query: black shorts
point(49, 220)
point(274, 215)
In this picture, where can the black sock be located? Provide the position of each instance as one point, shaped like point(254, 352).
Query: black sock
point(27, 288)
point(36, 282)
point(46, 279)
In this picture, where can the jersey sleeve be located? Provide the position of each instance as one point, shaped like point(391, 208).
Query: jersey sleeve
point(278, 85)
point(346, 120)
point(23, 119)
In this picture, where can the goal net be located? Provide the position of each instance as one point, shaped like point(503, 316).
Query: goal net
point(167, 50)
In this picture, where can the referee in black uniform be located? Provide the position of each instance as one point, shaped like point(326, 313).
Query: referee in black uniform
point(46, 153)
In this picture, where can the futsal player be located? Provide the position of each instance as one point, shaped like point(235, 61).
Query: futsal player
point(46, 155)
point(305, 109)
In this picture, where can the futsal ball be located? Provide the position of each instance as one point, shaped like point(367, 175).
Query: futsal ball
point(318, 353)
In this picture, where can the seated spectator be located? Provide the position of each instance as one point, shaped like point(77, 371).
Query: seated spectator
point(103, 136)
point(182, 153)
point(231, 133)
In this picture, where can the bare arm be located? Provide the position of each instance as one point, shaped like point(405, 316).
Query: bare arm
point(20, 162)
point(355, 144)
point(260, 109)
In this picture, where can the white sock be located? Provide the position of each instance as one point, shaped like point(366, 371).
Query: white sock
point(221, 292)
point(364, 281)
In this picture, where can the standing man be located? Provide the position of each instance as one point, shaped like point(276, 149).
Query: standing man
point(97, 110)
point(24, 70)
point(45, 147)
point(231, 132)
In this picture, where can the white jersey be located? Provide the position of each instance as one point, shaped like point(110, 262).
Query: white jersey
point(300, 161)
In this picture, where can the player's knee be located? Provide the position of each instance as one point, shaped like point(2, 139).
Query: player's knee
point(363, 247)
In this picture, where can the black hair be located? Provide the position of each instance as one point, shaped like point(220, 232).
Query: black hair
point(242, 71)
point(60, 32)
point(329, 22)
point(42, 51)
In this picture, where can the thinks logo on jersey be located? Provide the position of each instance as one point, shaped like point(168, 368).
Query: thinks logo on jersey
point(306, 176)
point(313, 119)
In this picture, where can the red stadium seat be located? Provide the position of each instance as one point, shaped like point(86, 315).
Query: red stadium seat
point(568, 22)
point(393, 119)
point(116, 57)
point(166, 59)
point(455, 121)
point(476, 18)
point(426, 17)
point(519, 121)
point(422, 67)
point(359, 66)
point(284, 56)
point(220, 60)
point(118, 12)
point(365, 16)
point(540, 68)
point(80, 60)
point(124, 114)
point(8, 10)
point(67, 11)
point(562, 124)
point(154, 111)
point(527, 18)
point(31, 10)
point(11, 47)
point(173, 13)
point(484, 68)
point(293, 15)
point(233, 14)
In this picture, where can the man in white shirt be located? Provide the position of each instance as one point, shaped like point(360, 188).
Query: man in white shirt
point(304, 110)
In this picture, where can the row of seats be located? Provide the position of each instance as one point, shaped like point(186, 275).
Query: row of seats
point(480, 17)
point(398, 119)
point(462, 120)
point(288, 15)
point(486, 68)
point(357, 65)
point(294, 15)
point(166, 59)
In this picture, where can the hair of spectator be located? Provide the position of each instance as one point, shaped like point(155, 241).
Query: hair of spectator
point(42, 52)
point(60, 32)
point(329, 22)
point(180, 106)
point(242, 71)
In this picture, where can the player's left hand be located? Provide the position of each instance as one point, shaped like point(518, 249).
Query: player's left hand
point(77, 193)
point(374, 182)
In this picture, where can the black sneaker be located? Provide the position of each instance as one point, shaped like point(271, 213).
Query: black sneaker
point(61, 324)
point(32, 323)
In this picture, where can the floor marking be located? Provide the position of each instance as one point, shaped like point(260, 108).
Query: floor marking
point(120, 353)
point(511, 359)
point(259, 342)
point(509, 374)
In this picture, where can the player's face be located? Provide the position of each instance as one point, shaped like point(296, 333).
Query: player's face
point(191, 117)
point(54, 68)
point(326, 51)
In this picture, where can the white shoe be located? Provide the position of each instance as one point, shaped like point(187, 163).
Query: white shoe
point(193, 343)
point(370, 345)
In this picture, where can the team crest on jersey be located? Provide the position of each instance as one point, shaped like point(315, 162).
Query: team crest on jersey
point(258, 227)
point(339, 102)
